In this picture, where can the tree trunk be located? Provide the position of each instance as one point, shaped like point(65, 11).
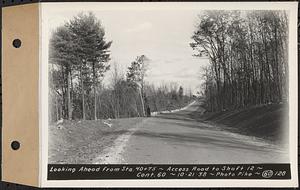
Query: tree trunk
point(57, 109)
point(95, 103)
point(69, 96)
point(82, 95)
point(95, 93)
point(142, 102)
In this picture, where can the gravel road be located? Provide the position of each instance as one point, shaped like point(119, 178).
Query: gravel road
point(175, 138)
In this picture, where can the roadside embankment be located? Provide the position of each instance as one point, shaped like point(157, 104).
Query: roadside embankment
point(76, 142)
point(269, 122)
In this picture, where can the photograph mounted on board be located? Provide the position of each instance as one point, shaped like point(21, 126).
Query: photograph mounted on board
point(167, 86)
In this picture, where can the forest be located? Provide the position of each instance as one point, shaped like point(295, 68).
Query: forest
point(248, 65)
point(79, 59)
point(248, 57)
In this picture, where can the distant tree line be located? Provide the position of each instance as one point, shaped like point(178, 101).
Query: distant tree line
point(125, 98)
point(248, 57)
point(79, 58)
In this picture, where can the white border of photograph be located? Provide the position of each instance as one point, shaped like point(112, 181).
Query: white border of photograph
point(47, 9)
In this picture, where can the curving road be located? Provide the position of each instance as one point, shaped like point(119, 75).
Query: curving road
point(175, 138)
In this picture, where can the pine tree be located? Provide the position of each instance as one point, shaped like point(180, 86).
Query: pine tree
point(92, 51)
point(62, 55)
point(79, 50)
point(136, 75)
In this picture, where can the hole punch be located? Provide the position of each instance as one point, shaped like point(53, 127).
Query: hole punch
point(17, 43)
point(15, 145)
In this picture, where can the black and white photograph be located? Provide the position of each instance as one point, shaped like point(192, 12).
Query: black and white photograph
point(167, 86)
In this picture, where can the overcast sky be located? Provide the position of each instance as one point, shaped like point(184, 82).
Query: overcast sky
point(162, 35)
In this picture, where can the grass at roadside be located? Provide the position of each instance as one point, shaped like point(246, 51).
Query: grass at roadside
point(269, 122)
point(76, 142)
